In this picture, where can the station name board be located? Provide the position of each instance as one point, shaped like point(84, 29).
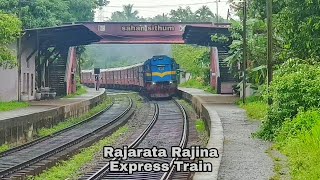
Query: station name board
point(148, 28)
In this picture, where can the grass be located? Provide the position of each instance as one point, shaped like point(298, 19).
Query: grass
point(69, 122)
point(304, 154)
point(137, 99)
point(255, 107)
point(202, 131)
point(8, 106)
point(281, 166)
point(70, 169)
point(4, 147)
point(200, 126)
point(194, 83)
point(299, 140)
point(81, 90)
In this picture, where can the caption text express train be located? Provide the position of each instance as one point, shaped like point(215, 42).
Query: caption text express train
point(157, 77)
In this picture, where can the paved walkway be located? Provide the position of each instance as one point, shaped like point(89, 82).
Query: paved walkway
point(244, 157)
point(44, 105)
point(241, 156)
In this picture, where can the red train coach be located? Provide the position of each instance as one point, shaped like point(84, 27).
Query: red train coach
point(130, 77)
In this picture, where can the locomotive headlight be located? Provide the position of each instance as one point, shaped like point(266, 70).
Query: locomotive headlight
point(153, 83)
point(170, 82)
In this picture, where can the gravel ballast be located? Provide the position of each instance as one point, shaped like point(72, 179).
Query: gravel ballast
point(244, 157)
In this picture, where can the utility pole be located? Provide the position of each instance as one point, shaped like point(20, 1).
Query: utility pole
point(217, 1)
point(269, 53)
point(19, 55)
point(244, 51)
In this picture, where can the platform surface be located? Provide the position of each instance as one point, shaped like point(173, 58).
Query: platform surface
point(240, 155)
point(44, 105)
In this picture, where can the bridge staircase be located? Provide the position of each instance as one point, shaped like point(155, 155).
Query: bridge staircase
point(57, 72)
point(226, 79)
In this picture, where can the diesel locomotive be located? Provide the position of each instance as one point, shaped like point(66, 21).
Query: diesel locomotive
point(157, 77)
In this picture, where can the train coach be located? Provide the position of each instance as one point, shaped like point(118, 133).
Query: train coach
point(156, 77)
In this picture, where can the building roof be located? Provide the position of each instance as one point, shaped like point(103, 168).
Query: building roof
point(201, 35)
point(66, 35)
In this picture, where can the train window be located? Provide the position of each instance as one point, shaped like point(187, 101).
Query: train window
point(147, 68)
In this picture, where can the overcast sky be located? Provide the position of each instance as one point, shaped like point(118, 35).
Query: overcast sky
point(151, 8)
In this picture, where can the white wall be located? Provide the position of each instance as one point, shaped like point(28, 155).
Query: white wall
point(9, 77)
point(186, 78)
point(8, 84)
point(28, 68)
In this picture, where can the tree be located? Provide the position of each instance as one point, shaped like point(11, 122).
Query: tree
point(43, 13)
point(10, 29)
point(299, 26)
point(204, 14)
point(193, 59)
point(126, 15)
point(182, 15)
point(160, 18)
point(83, 10)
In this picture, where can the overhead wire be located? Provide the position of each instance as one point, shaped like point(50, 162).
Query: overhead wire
point(171, 5)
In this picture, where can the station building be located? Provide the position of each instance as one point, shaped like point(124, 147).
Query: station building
point(48, 62)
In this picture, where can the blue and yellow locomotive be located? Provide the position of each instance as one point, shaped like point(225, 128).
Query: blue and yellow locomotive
point(160, 77)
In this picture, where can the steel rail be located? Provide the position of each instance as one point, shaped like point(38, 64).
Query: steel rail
point(38, 140)
point(101, 172)
point(46, 155)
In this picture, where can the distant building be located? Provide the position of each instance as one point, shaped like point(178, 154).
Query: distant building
point(48, 61)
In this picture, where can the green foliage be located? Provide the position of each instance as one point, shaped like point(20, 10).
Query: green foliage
point(201, 126)
point(43, 13)
point(8, 106)
point(219, 38)
point(4, 147)
point(256, 48)
point(10, 30)
point(256, 107)
point(182, 15)
point(72, 121)
point(71, 168)
point(296, 85)
point(80, 90)
point(304, 122)
point(203, 14)
point(298, 25)
point(109, 56)
point(126, 15)
point(198, 84)
point(299, 141)
point(202, 132)
point(193, 59)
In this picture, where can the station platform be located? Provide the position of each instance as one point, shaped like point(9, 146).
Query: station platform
point(240, 156)
point(44, 105)
point(19, 124)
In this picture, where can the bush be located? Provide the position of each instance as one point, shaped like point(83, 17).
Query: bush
point(304, 122)
point(296, 85)
point(299, 140)
point(199, 84)
point(256, 109)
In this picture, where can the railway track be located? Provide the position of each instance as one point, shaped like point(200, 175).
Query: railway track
point(168, 127)
point(37, 156)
